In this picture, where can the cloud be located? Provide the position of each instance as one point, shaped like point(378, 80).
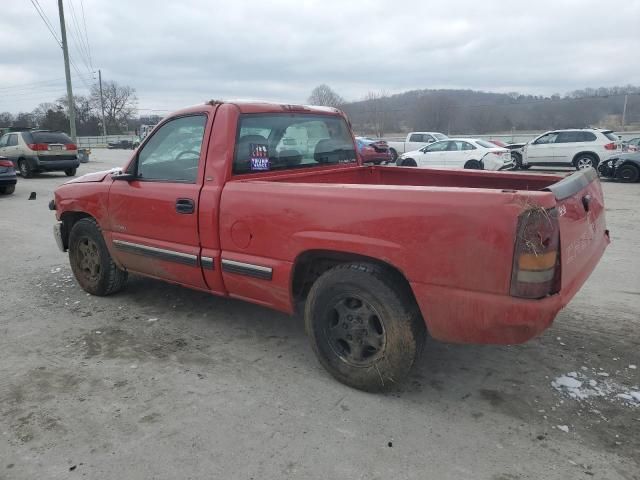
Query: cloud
point(180, 53)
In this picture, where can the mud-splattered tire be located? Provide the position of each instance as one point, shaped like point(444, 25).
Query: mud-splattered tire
point(364, 326)
point(91, 262)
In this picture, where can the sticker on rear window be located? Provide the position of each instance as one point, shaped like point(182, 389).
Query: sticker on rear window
point(259, 157)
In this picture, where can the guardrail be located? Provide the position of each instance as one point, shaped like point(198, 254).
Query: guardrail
point(102, 141)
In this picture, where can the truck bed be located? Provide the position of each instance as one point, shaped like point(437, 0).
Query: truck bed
point(406, 176)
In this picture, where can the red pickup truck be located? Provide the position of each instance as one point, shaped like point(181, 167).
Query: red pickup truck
point(214, 200)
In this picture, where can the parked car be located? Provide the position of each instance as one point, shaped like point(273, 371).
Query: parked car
point(414, 141)
point(578, 148)
point(373, 151)
point(376, 255)
point(632, 145)
point(40, 151)
point(459, 153)
point(8, 177)
point(624, 167)
point(122, 144)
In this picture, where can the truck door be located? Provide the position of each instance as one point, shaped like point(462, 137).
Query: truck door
point(154, 212)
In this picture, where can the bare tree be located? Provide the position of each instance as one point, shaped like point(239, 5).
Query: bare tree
point(377, 111)
point(120, 104)
point(323, 95)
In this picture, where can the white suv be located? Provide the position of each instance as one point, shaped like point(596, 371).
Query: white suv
point(579, 148)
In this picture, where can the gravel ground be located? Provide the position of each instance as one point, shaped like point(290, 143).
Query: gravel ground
point(166, 383)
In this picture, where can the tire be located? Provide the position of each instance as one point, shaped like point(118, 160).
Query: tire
point(517, 159)
point(628, 173)
point(473, 165)
point(25, 168)
point(394, 154)
point(585, 160)
point(91, 262)
point(364, 326)
point(8, 189)
point(70, 172)
point(409, 162)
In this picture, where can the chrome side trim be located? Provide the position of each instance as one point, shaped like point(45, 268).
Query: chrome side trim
point(207, 262)
point(256, 271)
point(154, 252)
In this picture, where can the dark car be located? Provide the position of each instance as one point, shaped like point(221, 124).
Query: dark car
point(624, 167)
point(123, 144)
point(373, 151)
point(8, 176)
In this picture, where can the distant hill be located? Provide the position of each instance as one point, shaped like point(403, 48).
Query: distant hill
point(476, 112)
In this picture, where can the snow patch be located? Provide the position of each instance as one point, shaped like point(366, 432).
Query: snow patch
point(580, 387)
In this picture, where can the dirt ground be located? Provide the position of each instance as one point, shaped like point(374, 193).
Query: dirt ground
point(162, 382)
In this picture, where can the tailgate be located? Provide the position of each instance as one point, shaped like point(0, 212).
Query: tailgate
point(583, 233)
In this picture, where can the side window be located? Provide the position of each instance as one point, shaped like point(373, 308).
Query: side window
point(172, 154)
point(13, 140)
point(454, 146)
point(467, 146)
point(416, 137)
point(587, 137)
point(545, 139)
point(3, 140)
point(428, 138)
point(437, 147)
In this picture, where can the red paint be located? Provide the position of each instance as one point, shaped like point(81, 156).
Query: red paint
point(450, 233)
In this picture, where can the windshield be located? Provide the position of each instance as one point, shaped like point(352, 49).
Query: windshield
point(285, 141)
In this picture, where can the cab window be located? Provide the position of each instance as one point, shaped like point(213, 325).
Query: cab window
point(172, 154)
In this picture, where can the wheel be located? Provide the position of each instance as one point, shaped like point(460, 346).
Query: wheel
point(90, 260)
point(364, 326)
point(394, 154)
point(517, 159)
point(8, 189)
point(628, 173)
point(70, 172)
point(585, 160)
point(25, 168)
point(409, 162)
point(473, 165)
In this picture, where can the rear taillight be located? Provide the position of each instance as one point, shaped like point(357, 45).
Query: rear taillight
point(536, 259)
point(6, 163)
point(71, 146)
point(38, 147)
point(610, 146)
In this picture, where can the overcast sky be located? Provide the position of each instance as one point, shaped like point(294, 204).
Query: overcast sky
point(182, 52)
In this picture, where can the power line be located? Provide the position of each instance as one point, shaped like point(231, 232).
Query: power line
point(78, 37)
point(86, 36)
point(45, 19)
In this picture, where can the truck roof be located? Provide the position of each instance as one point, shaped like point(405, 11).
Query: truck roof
point(254, 106)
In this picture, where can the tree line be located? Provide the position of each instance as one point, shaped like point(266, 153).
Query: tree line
point(120, 108)
point(476, 112)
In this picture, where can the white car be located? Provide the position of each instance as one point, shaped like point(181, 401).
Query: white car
point(414, 141)
point(459, 153)
point(579, 148)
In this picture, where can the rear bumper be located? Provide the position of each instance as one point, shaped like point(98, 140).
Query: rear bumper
point(462, 316)
point(41, 163)
point(8, 180)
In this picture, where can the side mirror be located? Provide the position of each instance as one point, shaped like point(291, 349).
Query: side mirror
point(127, 177)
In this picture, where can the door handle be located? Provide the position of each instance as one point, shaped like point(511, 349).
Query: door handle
point(185, 205)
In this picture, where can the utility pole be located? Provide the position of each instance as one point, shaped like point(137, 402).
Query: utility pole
point(104, 123)
point(67, 73)
point(624, 110)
